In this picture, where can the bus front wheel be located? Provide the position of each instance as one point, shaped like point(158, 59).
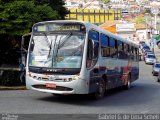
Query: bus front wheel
point(101, 90)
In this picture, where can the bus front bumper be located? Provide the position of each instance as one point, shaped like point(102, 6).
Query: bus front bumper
point(72, 87)
point(53, 91)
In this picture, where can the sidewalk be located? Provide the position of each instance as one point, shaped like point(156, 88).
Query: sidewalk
point(12, 88)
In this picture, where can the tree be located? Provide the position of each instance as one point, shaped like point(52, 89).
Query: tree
point(147, 10)
point(106, 1)
point(139, 19)
point(56, 5)
point(17, 18)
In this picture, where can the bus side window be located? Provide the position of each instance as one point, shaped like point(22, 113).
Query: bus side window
point(113, 48)
point(125, 51)
point(120, 49)
point(116, 49)
point(137, 55)
point(132, 53)
point(105, 50)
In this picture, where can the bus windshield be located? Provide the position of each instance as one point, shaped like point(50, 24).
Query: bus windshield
point(56, 50)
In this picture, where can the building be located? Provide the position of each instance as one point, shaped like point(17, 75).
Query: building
point(127, 31)
point(95, 11)
point(121, 28)
point(110, 25)
point(93, 15)
point(141, 32)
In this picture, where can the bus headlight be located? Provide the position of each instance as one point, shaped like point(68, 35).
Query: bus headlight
point(37, 78)
point(76, 77)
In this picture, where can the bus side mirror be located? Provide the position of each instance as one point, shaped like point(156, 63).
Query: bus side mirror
point(23, 49)
point(25, 42)
point(90, 50)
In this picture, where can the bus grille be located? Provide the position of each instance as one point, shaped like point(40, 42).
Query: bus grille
point(58, 88)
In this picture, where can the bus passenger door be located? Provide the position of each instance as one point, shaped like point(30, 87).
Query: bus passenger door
point(92, 60)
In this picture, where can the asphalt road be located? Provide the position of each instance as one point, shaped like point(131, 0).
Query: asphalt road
point(143, 97)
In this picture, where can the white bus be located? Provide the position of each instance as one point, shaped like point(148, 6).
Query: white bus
point(75, 57)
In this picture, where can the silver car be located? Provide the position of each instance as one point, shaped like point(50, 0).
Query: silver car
point(156, 69)
point(150, 59)
point(145, 54)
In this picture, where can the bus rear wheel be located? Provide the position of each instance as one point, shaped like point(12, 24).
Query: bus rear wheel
point(101, 90)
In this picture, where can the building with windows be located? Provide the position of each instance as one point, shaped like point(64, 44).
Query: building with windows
point(95, 12)
point(93, 15)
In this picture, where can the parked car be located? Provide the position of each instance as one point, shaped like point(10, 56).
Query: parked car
point(156, 69)
point(145, 48)
point(150, 59)
point(141, 44)
point(158, 77)
point(146, 53)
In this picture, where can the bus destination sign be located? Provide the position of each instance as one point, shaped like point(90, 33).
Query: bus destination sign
point(58, 27)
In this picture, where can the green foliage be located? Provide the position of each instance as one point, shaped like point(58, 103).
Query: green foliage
point(10, 78)
point(106, 1)
point(139, 20)
point(9, 49)
point(17, 17)
point(147, 10)
point(56, 5)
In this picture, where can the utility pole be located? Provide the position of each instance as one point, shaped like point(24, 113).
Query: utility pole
point(154, 11)
point(152, 41)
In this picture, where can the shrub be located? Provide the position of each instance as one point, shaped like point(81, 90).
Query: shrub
point(10, 78)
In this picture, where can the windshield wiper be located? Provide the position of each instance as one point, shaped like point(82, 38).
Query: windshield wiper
point(47, 40)
point(60, 45)
point(64, 40)
point(49, 50)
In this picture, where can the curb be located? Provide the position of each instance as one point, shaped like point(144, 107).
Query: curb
point(12, 88)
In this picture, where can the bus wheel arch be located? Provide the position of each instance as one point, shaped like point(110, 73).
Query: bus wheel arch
point(101, 89)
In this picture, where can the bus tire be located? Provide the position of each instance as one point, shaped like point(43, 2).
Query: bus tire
point(128, 85)
point(101, 90)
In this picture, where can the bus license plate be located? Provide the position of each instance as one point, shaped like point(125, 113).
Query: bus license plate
point(50, 85)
